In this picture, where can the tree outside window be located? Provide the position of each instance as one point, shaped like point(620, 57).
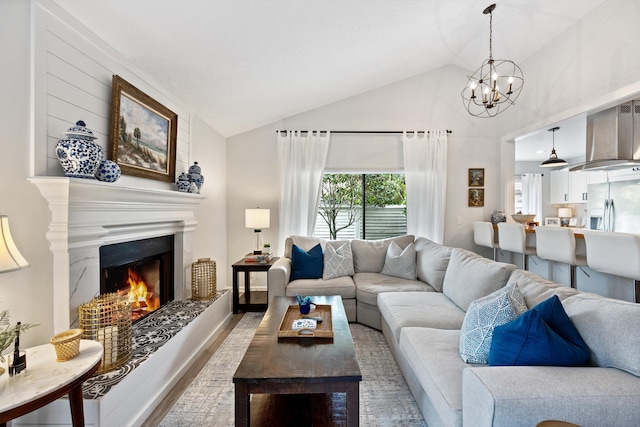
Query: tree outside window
point(356, 204)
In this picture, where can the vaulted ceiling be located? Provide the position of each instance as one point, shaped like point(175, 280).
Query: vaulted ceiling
point(241, 64)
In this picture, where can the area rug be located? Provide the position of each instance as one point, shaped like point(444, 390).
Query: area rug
point(385, 399)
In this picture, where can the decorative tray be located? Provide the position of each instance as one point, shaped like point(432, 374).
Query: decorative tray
point(323, 329)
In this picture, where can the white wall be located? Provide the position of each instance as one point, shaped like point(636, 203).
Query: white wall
point(593, 64)
point(429, 101)
point(70, 79)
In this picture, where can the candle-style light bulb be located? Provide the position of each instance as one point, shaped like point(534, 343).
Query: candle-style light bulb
point(485, 95)
point(473, 90)
point(510, 87)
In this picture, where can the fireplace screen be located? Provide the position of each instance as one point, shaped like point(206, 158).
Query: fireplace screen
point(136, 271)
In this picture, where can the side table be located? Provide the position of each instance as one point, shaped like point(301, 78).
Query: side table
point(46, 380)
point(250, 300)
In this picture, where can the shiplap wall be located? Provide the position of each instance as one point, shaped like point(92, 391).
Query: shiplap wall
point(73, 70)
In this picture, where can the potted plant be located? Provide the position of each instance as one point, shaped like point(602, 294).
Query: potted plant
point(266, 249)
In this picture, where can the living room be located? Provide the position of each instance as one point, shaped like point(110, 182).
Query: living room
point(591, 65)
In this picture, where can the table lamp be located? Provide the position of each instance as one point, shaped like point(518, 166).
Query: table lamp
point(10, 257)
point(257, 219)
point(565, 214)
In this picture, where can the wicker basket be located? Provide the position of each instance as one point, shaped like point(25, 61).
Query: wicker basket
point(67, 344)
point(203, 279)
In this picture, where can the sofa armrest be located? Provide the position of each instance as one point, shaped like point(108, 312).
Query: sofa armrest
point(526, 395)
point(278, 277)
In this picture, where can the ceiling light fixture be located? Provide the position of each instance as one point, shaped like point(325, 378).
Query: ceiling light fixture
point(553, 159)
point(494, 86)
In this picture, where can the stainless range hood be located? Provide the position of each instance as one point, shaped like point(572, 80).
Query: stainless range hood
point(612, 140)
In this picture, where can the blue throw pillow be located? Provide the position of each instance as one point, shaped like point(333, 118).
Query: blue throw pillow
point(544, 335)
point(306, 265)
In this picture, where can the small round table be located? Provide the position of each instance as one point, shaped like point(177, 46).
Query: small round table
point(46, 380)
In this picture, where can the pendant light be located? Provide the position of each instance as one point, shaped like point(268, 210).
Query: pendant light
point(553, 160)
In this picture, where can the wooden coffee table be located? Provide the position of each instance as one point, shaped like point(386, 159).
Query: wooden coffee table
point(275, 365)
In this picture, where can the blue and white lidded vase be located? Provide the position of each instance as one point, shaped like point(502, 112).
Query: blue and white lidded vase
point(183, 183)
point(78, 154)
point(195, 176)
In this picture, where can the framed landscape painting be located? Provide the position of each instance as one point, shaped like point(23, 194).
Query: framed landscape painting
point(143, 133)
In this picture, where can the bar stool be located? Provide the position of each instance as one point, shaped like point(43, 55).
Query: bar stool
point(559, 244)
point(615, 253)
point(483, 235)
point(513, 238)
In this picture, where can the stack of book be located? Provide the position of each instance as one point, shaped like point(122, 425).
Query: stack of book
point(262, 258)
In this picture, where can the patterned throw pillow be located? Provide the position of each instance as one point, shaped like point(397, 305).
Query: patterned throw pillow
point(400, 263)
point(484, 314)
point(338, 262)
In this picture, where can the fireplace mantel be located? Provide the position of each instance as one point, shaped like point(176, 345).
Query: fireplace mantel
point(86, 214)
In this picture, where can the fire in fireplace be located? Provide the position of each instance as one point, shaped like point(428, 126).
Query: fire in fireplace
point(141, 270)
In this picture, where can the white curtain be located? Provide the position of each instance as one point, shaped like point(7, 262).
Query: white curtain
point(425, 171)
point(301, 161)
point(532, 194)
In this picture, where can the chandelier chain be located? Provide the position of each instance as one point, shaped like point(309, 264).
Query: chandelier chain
point(490, 35)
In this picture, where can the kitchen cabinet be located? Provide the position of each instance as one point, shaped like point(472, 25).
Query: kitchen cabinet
point(572, 187)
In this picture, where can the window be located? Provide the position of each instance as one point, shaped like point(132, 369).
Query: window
point(362, 206)
point(518, 194)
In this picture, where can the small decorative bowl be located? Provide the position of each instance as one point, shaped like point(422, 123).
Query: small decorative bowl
point(67, 344)
point(523, 218)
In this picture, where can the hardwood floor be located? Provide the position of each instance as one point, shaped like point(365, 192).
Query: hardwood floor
point(167, 403)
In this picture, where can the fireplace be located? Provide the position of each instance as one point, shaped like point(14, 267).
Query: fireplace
point(141, 270)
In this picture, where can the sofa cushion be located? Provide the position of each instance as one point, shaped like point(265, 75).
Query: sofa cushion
point(369, 285)
point(306, 265)
point(543, 336)
point(536, 289)
point(342, 286)
point(432, 260)
point(433, 356)
point(425, 309)
point(400, 262)
point(369, 255)
point(338, 260)
point(611, 329)
point(484, 314)
point(469, 277)
point(303, 242)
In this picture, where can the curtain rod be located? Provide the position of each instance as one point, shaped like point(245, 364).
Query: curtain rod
point(367, 131)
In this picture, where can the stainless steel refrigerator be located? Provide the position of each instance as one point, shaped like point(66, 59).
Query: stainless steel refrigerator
point(615, 206)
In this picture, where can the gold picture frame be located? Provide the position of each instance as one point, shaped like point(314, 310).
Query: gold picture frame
point(476, 197)
point(143, 133)
point(476, 177)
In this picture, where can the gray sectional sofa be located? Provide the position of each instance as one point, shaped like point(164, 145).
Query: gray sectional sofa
point(423, 329)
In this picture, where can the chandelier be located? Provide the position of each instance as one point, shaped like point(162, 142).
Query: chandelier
point(494, 86)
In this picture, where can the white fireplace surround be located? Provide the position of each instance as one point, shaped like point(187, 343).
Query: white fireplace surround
point(87, 214)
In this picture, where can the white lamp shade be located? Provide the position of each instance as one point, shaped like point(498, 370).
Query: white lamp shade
point(10, 257)
point(565, 212)
point(257, 218)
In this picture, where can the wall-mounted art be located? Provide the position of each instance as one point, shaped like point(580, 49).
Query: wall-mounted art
point(476, 197)
point(143, 133)
point(476, 177)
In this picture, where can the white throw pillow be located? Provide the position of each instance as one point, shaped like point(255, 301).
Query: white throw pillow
point(338, 261)
point(400, 263)
point(484, 314)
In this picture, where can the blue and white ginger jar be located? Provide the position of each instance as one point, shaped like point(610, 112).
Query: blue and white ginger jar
point(108, 171)
point(196, 177)
point(78, 154)
point(183, 183)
